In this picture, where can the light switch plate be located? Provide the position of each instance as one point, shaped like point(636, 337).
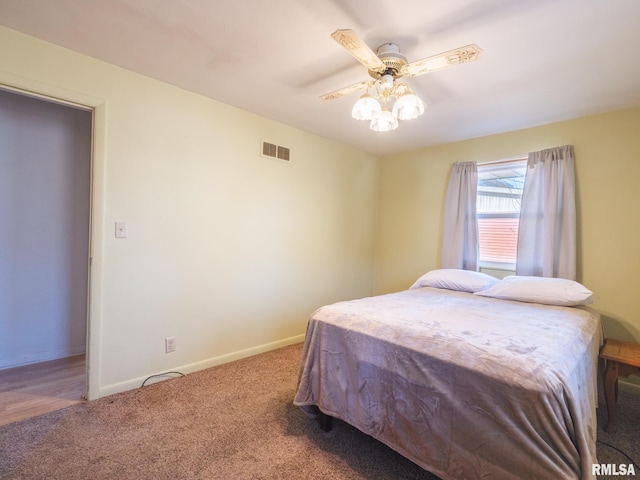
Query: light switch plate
point(121, 230)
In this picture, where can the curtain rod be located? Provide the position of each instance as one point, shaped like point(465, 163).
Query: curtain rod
point(505, 161)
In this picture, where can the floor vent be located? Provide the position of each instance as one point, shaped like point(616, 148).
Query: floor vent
point(275, 151)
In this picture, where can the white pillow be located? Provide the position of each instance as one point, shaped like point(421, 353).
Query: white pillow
point(454, 279)
point(548, 291)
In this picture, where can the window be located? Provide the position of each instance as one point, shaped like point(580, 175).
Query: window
point(498, 207)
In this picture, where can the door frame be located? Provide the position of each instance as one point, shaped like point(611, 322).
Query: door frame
point(98, 107)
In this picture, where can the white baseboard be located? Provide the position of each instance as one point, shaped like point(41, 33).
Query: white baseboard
point(201, 365)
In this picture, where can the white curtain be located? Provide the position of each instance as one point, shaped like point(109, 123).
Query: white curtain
point(460, 230)
point(547, 232)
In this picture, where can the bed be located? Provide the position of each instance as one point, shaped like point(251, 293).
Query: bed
point(465, 382)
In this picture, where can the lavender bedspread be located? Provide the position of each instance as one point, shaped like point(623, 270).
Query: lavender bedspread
point(467, 387)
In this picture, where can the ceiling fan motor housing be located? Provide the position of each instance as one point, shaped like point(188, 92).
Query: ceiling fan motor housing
point(389, 54)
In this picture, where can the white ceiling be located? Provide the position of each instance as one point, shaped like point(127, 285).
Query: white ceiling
point(542, 60)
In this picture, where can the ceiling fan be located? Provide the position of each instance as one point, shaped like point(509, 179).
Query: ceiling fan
point(385, 66)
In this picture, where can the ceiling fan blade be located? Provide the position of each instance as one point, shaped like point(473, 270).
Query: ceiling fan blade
point(360, 51)
point(448, 59)
point(344, 91)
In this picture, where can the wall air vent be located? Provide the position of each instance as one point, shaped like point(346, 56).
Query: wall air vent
point(275, 151)
point(283, 153)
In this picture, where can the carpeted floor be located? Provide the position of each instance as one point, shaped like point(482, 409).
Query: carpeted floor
point(234, 421)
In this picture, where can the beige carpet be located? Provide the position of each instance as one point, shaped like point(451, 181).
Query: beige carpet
point(235, 421)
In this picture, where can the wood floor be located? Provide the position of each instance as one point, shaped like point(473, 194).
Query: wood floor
point(39, 388)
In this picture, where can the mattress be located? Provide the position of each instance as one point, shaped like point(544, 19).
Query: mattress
point(465, 386)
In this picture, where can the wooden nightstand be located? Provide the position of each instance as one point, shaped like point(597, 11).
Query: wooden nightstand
point(623, 359)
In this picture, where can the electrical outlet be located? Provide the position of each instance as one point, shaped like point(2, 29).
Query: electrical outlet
point(170, 344)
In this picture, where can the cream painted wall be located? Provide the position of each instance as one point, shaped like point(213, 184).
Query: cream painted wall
point(607, 148)
point(227, 251)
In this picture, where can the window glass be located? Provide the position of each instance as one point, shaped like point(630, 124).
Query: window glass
point(498, 206)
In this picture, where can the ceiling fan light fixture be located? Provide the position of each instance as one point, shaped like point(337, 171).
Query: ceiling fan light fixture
point(385, 66)
point(366, 108)
point(384, 122)
point(408, 106)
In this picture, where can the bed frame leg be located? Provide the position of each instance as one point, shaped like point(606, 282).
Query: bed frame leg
point(325, 421)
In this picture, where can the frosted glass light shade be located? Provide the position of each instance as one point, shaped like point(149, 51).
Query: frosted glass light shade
point(408, 106)
point(366, 108)
point(384, 122)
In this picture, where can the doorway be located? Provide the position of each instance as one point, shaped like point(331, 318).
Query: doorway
point(45, 197)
